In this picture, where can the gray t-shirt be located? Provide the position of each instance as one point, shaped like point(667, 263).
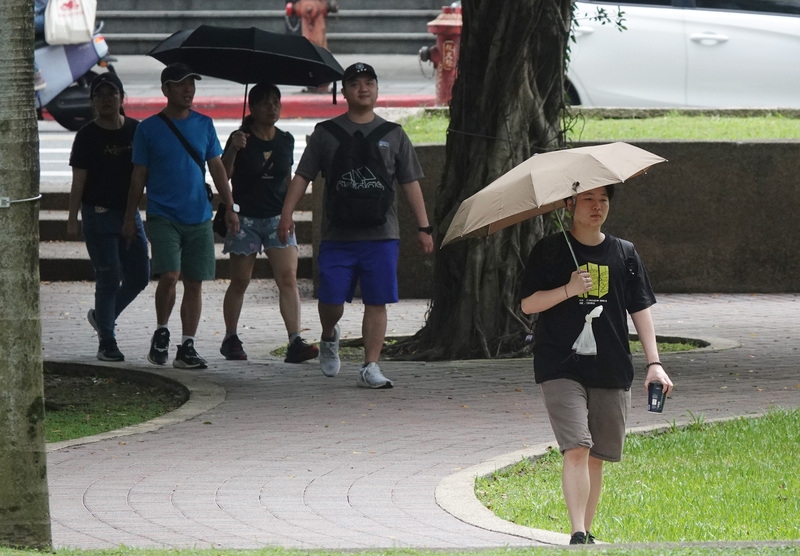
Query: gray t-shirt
point(398, 156)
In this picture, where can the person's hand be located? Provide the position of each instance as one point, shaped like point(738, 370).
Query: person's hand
point(232, 222)
point(656, 373)
point(73, 227)
point(285, 228)
point(239, 140)
point(128, 230)
point(425, 242)
point(579, 283)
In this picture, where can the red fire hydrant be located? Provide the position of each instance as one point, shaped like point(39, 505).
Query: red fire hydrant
point(312, 15)
point(447, 28)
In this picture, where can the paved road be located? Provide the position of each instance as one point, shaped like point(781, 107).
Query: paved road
point(270, 454)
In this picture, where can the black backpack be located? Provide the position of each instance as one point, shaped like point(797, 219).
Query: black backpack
point(359, 191)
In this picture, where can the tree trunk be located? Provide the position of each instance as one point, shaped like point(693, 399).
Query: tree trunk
point(507, 104)
point(24, 509)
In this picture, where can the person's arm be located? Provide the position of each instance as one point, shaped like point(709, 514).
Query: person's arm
point(75, 195)
point(645, 329)
point(416, 202)
point(579, 282)
point(217, 170)
point(138, 182)
point(295, 191)
point(237, 142)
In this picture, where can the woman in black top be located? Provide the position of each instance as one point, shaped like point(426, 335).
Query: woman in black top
point(101, 172)
point(258, 158)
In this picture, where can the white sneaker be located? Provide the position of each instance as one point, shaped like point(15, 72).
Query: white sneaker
point(370, 376)
point(329, 362)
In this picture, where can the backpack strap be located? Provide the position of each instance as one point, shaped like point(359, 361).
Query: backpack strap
point(629, 256)
point(380, 131)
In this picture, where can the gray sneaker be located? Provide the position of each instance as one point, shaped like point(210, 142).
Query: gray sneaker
point(370, 376)
point(329, 362)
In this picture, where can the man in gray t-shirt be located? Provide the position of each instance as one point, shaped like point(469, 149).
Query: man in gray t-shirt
point(349, 256)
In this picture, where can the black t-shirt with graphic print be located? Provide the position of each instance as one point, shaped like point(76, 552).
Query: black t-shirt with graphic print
point(260, 174)
point(620, 286)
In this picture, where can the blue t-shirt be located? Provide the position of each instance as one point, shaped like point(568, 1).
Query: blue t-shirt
point(176, 187)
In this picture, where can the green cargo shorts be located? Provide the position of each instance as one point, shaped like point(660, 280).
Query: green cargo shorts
point(185, 248)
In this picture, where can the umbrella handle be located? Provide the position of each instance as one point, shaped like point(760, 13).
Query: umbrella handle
point(244, 103)
point(569, 244)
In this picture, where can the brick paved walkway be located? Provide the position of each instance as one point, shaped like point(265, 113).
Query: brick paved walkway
point(271, 454)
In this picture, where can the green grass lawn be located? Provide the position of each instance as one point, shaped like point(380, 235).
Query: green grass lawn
point(432, 128)
point(727, 481)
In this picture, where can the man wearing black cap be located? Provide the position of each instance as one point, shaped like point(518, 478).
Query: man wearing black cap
point(178, 208)
point(354, 249)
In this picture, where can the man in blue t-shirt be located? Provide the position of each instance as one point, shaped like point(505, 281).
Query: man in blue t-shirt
point(178, 208)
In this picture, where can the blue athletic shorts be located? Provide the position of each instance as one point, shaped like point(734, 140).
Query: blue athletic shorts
point(255, 233)
point(343, 264)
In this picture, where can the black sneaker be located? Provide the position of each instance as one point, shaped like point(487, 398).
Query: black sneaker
point(589, 538)
point(159, 347)
point(299, 351)
point(578, 538)
point(109, 351)
point(188, 358)
point(232, 349)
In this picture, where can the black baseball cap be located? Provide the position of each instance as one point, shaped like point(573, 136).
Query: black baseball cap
point(357, 69)
point(177, 72)
point(107, 78)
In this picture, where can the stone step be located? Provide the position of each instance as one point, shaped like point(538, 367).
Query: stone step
point(53, 226)
point(56, 197)
point(350, 31)
point(67, 261)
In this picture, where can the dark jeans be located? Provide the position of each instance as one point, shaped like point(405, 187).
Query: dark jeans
point(120, 271)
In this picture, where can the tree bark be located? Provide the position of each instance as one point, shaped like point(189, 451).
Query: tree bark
point(24, 509)
point(508, 101)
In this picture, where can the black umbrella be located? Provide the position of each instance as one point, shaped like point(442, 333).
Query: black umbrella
point(250, 55)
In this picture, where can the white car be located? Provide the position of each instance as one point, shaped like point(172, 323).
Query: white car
point(687, 53)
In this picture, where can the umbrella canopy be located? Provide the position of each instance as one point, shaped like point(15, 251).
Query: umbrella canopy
point(250, 55)
point(541, 183)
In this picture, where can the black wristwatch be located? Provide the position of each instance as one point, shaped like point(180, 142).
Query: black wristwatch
point(427, 229)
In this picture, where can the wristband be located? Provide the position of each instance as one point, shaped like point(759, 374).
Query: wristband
point(565, 291)
point(653, 363)
point(427, 229)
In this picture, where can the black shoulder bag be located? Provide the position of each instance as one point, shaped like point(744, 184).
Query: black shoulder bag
point(218, 225)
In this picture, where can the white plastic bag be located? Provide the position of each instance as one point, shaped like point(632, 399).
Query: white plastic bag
point(585, 344)
point(69, 21)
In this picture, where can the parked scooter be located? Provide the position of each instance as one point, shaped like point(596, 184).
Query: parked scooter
point(68, 71)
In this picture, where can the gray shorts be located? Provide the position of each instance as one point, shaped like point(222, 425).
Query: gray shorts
point(592, 418)
point(255, 233)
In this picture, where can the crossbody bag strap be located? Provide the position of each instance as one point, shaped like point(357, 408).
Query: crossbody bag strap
point(184, 142)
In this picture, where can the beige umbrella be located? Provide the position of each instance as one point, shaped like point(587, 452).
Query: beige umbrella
point(541, 183)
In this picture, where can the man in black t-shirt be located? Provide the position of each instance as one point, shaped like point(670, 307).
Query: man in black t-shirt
point(588, 395)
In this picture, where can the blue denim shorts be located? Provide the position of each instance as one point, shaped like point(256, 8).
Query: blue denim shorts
point(256, 234)
point(373, 264)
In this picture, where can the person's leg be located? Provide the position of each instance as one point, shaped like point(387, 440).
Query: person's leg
point(378, 278)
point(165, 296)
point(566, 402)
point(191, 306)
point(241, 270)
point(103, 248)
point(373, 331)
point(329, 316)
point(575, 483)
point(135, 264)
point(595, 488)
point(284, 268)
